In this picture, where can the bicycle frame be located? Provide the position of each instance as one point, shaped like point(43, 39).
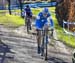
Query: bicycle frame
point(44, 43)
point(28, 24)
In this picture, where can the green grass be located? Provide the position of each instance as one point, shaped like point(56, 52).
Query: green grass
point(11, 20)
point(66, 38)
point(35, 11)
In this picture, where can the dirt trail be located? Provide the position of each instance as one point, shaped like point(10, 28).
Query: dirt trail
point(17, 46)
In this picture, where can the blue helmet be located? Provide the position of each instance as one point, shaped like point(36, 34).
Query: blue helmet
point(45, 10)
point(27, 6)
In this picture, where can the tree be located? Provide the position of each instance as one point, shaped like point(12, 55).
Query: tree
point(20, 3)
point(65, 10)
point(9, 8)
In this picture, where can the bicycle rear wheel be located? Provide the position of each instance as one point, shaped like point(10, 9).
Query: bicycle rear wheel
point(28, 25)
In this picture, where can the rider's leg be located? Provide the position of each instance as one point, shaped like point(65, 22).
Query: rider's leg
point(38, 41)
point(25, 20)
point(29, 22)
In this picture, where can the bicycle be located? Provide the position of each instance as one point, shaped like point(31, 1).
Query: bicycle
point(28, 23)
point(44, 42)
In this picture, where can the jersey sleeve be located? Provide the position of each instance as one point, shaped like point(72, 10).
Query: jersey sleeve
point(50, 21)
point(38, 17)
point(49, 15)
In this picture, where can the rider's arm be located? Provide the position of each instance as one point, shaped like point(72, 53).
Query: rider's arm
point(24, 11)
point(31, 14)
point(50, 21)
point(39, 15)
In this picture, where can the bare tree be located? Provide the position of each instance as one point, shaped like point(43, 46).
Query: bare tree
point(20, 3)
point(65, 10)
point(9, 8)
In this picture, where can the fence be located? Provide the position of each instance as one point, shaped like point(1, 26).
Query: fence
point(68, 25)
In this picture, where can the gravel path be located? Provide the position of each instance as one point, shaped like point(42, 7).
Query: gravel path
point(16, 46)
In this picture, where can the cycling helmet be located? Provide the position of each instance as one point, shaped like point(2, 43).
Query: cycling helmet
point(45, 10)
point(27, 6)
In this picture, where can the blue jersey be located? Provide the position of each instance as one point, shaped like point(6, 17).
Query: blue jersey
point(41, 20)
point(28, 12)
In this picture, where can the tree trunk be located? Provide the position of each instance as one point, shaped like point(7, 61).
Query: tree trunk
point(20, 3)
point(65, 10)
point(9, 3)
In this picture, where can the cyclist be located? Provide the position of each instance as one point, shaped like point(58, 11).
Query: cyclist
point(28, 14)
point(43, 19)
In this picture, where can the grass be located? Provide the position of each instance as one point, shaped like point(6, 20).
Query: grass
point(66, 38)
point(35, 11)
point(11, 20)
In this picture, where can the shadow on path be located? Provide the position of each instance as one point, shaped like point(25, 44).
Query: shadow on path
point(4, 49)
point(55, 60)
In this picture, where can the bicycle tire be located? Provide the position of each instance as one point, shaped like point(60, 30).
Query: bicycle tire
point(42, 47)
point(28, 25)
point(46, 49)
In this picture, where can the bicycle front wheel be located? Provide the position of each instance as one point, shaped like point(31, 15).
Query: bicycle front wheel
point(46, 48)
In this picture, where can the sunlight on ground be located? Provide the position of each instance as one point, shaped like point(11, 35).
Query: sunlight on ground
point(18, 21)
